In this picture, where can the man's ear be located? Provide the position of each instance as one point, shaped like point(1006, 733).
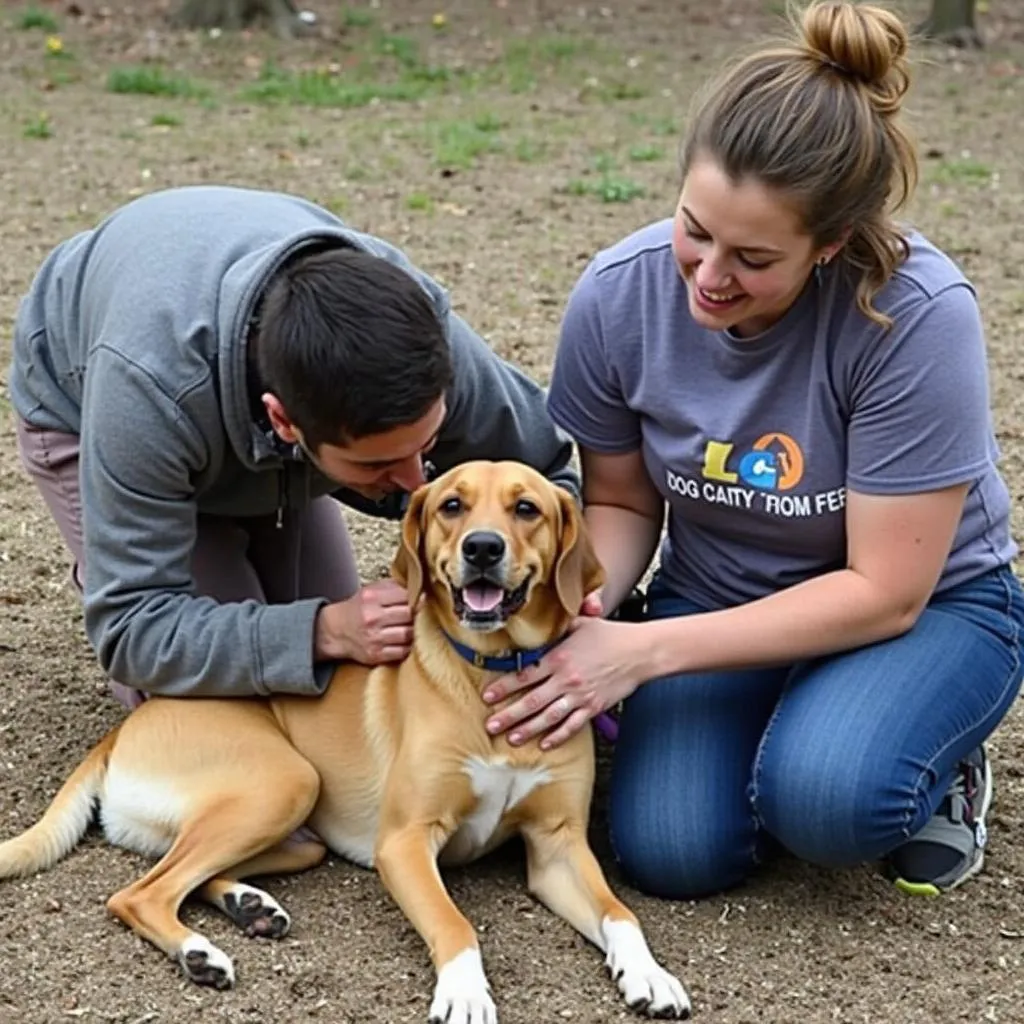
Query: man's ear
point(407, 565)
point(279, 418)
point(577, 571)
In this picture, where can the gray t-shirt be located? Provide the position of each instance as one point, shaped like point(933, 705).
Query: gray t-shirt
point(754, 442)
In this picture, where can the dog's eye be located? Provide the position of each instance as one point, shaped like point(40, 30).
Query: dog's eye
point(526, 509)
point(451, 506)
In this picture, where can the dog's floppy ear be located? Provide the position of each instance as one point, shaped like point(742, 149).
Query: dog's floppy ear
point(407, 565)
point(577, 571)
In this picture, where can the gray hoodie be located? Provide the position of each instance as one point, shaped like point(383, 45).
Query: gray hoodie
point(133, 336)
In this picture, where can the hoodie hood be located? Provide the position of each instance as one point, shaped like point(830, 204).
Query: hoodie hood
point(241, 289)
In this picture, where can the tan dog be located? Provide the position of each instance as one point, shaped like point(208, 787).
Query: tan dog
point(392, 766)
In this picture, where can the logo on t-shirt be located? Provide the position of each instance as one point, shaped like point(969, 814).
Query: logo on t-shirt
point(761, 477)
point(773, 463)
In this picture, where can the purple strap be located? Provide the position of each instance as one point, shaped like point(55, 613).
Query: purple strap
point(607, 726)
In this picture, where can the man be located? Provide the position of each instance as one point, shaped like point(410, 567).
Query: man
point(197, 379)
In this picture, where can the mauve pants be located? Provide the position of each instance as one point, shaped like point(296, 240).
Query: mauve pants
point(235, 558)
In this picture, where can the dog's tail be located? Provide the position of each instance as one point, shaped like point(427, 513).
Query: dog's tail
point(65, 821)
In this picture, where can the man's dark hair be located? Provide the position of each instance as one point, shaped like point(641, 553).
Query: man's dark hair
point(351, 345)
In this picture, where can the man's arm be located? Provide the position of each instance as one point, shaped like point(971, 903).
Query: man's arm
point(148, 627)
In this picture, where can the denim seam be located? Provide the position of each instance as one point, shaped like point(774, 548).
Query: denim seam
point(755, 777)
point(1014, 673)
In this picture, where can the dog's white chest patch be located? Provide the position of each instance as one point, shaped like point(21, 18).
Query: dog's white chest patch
point(498, 787)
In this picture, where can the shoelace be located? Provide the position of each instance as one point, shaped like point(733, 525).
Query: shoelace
point(959, 798)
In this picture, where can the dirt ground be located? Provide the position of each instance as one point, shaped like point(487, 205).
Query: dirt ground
point(501, 175)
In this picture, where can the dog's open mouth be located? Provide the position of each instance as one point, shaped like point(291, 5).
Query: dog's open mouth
point(483, 604)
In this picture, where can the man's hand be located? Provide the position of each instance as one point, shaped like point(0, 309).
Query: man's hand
point(371, 627)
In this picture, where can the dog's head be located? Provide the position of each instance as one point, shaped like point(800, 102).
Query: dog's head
point(496, 547)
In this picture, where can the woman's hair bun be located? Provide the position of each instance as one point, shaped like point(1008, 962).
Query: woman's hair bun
point(862, 41)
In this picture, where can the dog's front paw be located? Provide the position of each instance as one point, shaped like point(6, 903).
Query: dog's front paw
point(462, 994)
point(646, 986)
point(205, 964)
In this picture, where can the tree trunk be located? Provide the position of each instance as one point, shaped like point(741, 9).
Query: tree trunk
point(234, 15)
point(952, 22)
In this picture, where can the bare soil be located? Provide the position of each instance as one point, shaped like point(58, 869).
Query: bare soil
point(599, 99)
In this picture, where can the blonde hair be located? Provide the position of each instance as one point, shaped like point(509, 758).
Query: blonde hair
point(817, 118)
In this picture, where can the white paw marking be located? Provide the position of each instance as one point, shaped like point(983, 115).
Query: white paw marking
point(644, 983)
point(205, 964)
point(462, 994)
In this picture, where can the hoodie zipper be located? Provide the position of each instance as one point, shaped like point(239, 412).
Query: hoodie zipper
point(282, 496)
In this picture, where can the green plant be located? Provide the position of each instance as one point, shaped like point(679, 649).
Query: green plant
point(646, 153)
point(33, 17)
point(165, 121)
point(419, 201)
point(609, 188)
point(459, 143)
point(152, 81)
point(38, 127)
point(965, 170)
point(322, 88)
point(528, 151)
point(354, 17)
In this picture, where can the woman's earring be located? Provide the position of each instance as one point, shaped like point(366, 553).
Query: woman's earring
point(822, 261)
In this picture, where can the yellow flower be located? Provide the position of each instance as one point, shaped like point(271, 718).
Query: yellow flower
point(54, 44)
point(439, 20)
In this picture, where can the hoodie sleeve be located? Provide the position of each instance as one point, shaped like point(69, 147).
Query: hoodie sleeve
point(151, 631)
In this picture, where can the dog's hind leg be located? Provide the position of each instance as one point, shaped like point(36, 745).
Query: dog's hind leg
point(256, 912)
point(250, 813)
point(564, 875)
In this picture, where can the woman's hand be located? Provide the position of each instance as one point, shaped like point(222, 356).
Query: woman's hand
point(599, 664)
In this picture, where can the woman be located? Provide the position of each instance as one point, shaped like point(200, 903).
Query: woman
point(833, 629)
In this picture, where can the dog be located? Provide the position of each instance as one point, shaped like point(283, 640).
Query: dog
point(391, 768)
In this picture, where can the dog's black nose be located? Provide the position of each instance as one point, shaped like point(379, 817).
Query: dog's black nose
point(483, 549)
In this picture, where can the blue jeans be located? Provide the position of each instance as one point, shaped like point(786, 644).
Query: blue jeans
point(840, 759)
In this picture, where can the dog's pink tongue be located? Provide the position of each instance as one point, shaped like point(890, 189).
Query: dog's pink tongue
point(482, 597)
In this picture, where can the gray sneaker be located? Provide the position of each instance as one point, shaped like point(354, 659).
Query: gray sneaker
point(951, 846)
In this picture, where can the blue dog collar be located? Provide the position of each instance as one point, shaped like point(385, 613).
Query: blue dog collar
point(510, 661)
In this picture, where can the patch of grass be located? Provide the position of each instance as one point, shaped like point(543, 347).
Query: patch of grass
point(337, 204)
point(355, 17)
point(661, 126)
point(608, 186)
point(529, 151)
point(523, 61)
point(646, 153)
point(609, 189)
point(487, 122)
point(152, 81)
point(402, 48)
point(459, 143)
point(38, 128)
point(33, 17)
point(420, 202)
point(611, 92)
point(165, 121)
point(964, 171)
point(323, 88)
